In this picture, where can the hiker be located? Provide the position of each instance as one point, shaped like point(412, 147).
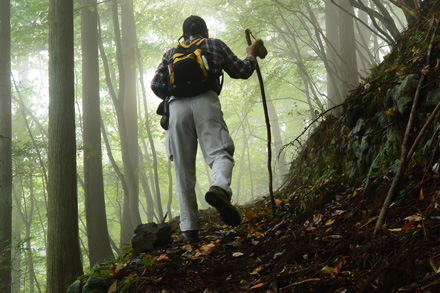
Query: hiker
point(192, 112)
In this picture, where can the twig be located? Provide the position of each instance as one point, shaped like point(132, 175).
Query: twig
point(423, 225)
point(266, 116)
point(403, 155)
point(419, 137)
point(430, 161)
point(301, 282)
point(402, 6)
point(316, 119)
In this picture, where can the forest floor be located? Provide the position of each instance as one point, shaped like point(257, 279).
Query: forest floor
point(321, 245)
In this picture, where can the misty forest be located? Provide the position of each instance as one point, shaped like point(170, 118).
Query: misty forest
point(336, 136)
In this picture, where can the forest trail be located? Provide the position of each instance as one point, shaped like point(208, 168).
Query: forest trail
point(321, 237)
point(329, 246)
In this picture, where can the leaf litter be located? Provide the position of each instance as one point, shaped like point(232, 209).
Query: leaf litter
point(328, 247)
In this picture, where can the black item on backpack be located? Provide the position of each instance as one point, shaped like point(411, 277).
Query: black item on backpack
point(164, 110)
point(189, 71)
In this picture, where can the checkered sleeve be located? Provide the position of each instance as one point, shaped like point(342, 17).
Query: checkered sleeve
point(229, 62)
point(160, 79)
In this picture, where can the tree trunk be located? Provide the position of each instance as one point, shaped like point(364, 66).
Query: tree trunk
point(170, 191)
point(127, 130)
point(97, 230)
point(283, 167)
point(16, 253)
point(347, 46)
point(242, 163)
point(365, 58)
point(147, 192)
point(63, 252)
point(5, 148)
point(334, 96)
point(150, 139)
point(128, 31)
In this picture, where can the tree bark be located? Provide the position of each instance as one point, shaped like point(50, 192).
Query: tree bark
point(127, 130)
point(151, 141)
point(128, 31)
point(283, 167)
point(347, 46)
point(332, 43)
point(147, 191)
point(16, 253)
point(5, 148)
point(63, 252)
point(97, 230)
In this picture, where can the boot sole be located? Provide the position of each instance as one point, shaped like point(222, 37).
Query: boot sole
point(228, 213)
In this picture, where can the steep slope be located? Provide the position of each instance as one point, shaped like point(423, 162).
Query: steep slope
point(320, 238)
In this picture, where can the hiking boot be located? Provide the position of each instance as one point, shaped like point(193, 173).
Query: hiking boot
point(191, 236)
point(219, 198)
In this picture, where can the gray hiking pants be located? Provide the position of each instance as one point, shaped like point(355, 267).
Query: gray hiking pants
point(191, 119)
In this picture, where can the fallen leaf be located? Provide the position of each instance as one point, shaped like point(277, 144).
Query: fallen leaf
point(389, 112)
point(317, 218)
point(207, 249)
point(425, 70)
point(421, 197)
point(237, 254)
point(329, 222)
point(408, 227)
point(255, 272)
point(327, 270)
point(392, 68)
point(250, 215)
point(395, 229)
point(163, 257)
point(414, 218)
point(188, 247)
point(336, 270)
point(435, 264)
point(278, 202)
point(371, 220)
point(113, 288)
point(338, 212)
point(257, 286)
point(119, 267)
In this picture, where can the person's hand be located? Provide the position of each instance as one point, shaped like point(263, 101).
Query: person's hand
point(260, 48)
point(252, 50)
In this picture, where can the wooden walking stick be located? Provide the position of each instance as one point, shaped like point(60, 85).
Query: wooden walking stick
point(266, 116)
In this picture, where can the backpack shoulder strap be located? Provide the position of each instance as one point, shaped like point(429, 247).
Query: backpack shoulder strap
point(196, 43)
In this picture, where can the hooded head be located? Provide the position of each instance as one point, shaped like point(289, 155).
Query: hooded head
point(194, 26)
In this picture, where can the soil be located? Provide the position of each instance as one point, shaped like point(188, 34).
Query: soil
point(319, 239)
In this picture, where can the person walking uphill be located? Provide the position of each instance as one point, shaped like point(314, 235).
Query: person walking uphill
point(189, 80)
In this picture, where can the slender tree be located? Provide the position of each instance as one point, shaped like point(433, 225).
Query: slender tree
point(129, 44)
point(63, 252)
point(331, 27)
point(347, 47)
point(125, 111)
point(5, 148)
point(97, 230)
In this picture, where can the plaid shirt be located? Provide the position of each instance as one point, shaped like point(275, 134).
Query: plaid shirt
point(221, 57)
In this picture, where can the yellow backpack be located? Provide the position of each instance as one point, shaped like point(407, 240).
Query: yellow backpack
point(189, 70)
